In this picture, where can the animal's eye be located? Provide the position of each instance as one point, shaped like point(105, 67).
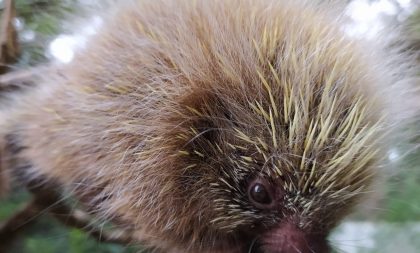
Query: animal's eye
point(259, 194)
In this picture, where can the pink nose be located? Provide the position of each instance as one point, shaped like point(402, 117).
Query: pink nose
point(287, 238)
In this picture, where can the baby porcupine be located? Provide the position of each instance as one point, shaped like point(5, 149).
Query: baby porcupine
point(212, 126)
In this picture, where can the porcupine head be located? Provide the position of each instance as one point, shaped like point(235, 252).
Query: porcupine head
point(215, 126)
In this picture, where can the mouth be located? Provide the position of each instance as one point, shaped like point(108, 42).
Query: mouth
point(288, 238)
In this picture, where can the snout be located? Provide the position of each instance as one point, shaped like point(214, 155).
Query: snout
point(288, 238)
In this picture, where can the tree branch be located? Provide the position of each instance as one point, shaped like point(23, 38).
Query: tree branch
point(9, 46)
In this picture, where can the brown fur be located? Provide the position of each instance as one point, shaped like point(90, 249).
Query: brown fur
point(178, 104)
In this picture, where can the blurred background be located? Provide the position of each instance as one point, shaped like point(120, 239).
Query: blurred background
point(37, 32)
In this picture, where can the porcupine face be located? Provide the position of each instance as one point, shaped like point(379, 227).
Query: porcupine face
point(224, 126)
point(280, 157)
point(277, 180)
point(278, 154)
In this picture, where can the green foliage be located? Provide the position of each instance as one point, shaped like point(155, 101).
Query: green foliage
point(414, 25)
point(81, 242)
point(14, 202)
point(403, 199)
point(49, 236)
point(44, 19)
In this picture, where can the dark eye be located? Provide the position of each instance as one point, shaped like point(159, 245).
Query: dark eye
point(259, 194)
